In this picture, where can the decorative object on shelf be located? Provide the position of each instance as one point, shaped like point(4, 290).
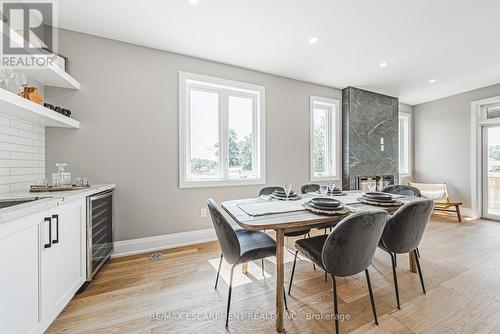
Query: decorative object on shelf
point(65, 112)
point(31, 93)
point(61, 178)
point(49, 106)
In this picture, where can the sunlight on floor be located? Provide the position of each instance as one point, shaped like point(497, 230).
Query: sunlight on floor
point(254, 269)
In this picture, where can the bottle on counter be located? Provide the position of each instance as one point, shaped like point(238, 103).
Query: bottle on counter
point(62, 178)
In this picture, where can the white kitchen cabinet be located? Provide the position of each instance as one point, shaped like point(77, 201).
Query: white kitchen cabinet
point(62, 272)
point(40, 274)
point(19, 275)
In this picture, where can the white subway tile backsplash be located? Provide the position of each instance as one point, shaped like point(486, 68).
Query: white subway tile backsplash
point(22, 154)
point(7, 130)
point(10, 163)
point(8, 147)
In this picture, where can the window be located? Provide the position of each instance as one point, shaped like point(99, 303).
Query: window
point(404, 144)
point(325, 139)
point(221, 129)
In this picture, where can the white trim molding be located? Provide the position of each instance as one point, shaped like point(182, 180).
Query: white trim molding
point(225, 90)
point(478, 121)
point(333, 140)
point(165, 241)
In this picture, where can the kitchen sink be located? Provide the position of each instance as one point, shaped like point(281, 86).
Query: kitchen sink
point(5, 203)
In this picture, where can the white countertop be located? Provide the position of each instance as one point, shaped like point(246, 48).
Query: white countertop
point(49, 200)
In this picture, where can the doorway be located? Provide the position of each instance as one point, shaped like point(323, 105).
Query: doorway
point(491, 172)
point(485, 158)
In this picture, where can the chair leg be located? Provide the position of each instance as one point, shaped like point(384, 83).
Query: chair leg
point(395, 260)
point(293, 271)
point(325, 231)
point(326, 276)
point(335, 306)
point(308, 235)
point(218, 271)
point(459, 216)
point(263, 268)
point(418, 252)
point(229, 295)
point(371, 296)
point(395, 280)
point(314, 267)
point(284, 296)
point(420, 273)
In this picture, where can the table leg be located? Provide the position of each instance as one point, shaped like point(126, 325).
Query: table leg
point(280, 278)
point(413, 262)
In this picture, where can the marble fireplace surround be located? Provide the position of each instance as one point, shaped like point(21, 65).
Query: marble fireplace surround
point(370, 124)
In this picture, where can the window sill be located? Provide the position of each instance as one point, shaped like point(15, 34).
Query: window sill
point(325, 178)
point(220, 183)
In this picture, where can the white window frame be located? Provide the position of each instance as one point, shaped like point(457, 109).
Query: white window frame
point(407, 116)
point(225, 88)
point(333, 140)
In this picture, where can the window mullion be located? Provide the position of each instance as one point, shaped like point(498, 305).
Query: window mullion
point(224, 133)
point(328, 158)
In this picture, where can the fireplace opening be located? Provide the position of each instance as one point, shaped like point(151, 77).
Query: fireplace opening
point(374, 183)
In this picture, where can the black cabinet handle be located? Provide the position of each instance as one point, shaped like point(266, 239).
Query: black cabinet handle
point(56, 217)
point(48, 245)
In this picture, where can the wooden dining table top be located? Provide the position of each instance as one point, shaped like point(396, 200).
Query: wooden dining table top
point(296, 220)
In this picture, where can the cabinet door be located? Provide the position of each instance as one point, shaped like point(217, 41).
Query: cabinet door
point(20, 242)
point(62, 269)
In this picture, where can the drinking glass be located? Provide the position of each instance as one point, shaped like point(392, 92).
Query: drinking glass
point(323, 189)
point(372, 186)
point(331, 187)
point(287, 188)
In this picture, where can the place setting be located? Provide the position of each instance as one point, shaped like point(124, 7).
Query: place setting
point(286, 194)
point(379, 199)
point(326, 206)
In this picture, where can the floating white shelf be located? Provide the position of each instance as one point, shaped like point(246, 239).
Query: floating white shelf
point(52, 76)
point(16, 106)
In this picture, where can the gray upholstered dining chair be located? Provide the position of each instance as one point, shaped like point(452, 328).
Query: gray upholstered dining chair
point(402, 190)
point(239, 246)
point(269, 191)
point(346, 251)
point(403, 233)
point(309, 188)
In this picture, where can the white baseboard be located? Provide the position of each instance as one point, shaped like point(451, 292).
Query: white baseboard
point(151, 244)
point(467, 212)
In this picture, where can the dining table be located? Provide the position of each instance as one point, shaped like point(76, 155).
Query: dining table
point(268, 213)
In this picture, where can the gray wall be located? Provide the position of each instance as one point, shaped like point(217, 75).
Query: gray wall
point(442, 141)
point(128, 109)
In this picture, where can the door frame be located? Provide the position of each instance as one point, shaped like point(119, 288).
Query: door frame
point(478, 121)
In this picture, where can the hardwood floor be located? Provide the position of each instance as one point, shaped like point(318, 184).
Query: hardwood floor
point(175, 294)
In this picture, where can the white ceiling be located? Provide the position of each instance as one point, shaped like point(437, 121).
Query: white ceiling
point(455, 42)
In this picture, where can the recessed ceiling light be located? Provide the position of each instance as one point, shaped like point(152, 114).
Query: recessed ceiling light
point(193, 2)
point(432, 81)
point(384, 64)
point(313, 40)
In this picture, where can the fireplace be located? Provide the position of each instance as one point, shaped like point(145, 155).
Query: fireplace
point(374, 183)
point(370, 145)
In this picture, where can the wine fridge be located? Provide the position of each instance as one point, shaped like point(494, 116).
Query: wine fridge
point(99, 231)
